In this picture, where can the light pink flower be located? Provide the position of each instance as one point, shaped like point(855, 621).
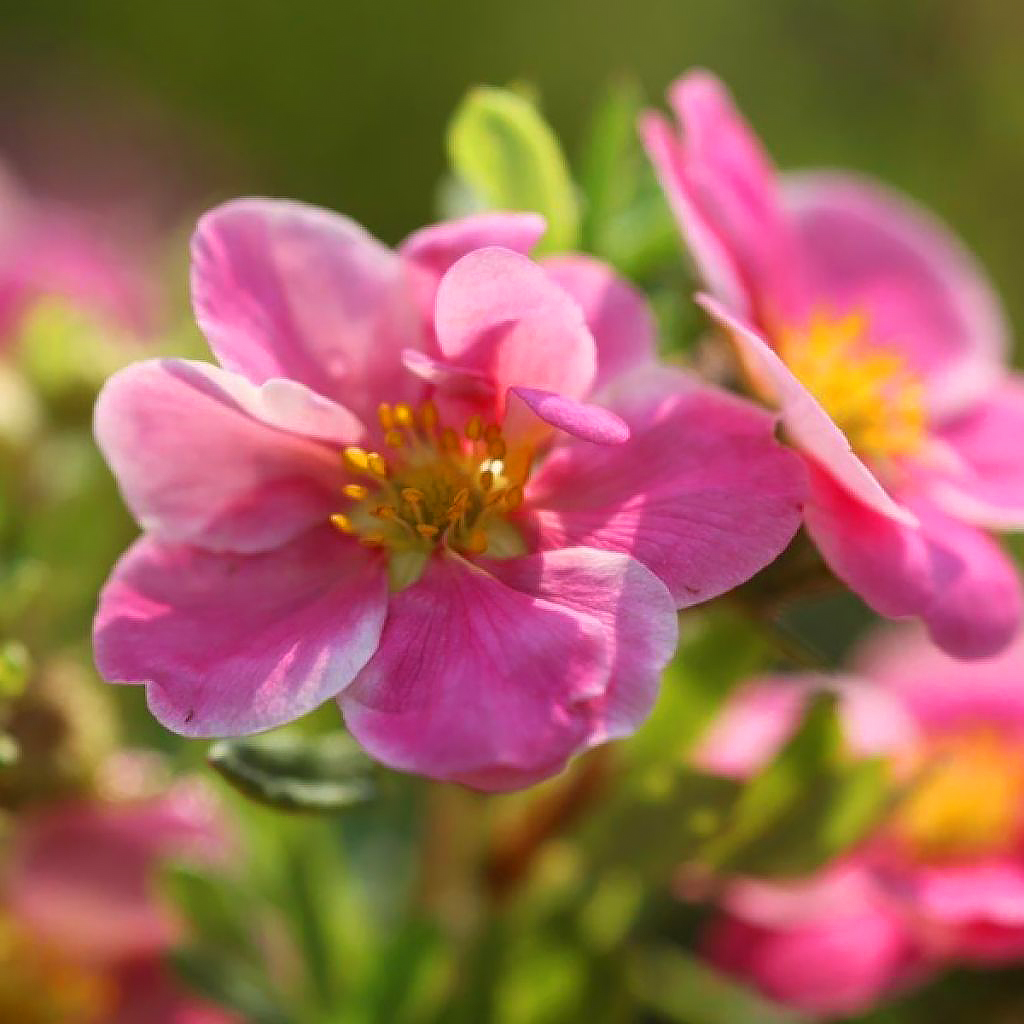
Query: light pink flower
point(82, 910)
point(423, 417)
point(877, 336)
point(941, 879)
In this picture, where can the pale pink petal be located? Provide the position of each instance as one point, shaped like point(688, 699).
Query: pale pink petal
point(701, 493)
point(232, 644)
point(616, 313)
point(282, 289)
point(83, 876)
point(587, 422)
point(431, 251)
point(950, 575)
point(204, 457)
point(478, 683)
point(867, 249)
point(499, 312)
point(633, 605)
point(985, 486)
point(810, 428)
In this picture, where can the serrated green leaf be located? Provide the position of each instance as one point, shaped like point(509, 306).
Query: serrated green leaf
point(296, 773)
point(501, 147)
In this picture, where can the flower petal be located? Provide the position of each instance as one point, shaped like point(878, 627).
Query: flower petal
point(586, 422)
point(282, 289)
point(430, 252)
point(499, 312)
point(807, 423)
point(233, 644)
point(868, 249)
point(633, 605)
point(701, 493)
point(478, 683)
point(616, 313)
point(949, 574)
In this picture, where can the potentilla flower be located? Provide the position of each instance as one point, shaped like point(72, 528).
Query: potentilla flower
point(83, 932)
point(877, 336)
point(392, 490)
point(940, 880)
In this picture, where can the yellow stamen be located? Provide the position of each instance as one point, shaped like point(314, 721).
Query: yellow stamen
point(404, 415)
point(385, 415)
point(356, 459)
point(476, 542)
point(393, 438)
point(377, 465)
point(473, 428)
point(342, 523)
point(355, 491)
point(426, 530)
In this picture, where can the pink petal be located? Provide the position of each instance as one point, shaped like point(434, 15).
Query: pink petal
point(478, 683)
point(701, 493)
point(205, 457)
point(83, 876)
point(499, 312)
point(616, 313)
point(949, 574)
point(430, 252)
point(286, 290)
point(987, 485)
point(808, 425)
point(637, 612)
point(232, 644)
point(586, 422)
point(148, 993)
point(866, 248)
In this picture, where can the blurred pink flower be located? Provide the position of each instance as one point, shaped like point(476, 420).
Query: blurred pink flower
point(83, 931)
point(53, 250)
point(941, 879)
point(536, 555)
point(882, 344)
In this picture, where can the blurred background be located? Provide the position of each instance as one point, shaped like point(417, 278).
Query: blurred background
point(141, 115)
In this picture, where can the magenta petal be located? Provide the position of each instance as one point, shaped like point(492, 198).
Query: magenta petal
point(232, 644)
point(282, 289)
point(807, 423)
point(478, 683)
point(634, 607)
point(616, 313)
point(498, 311)
point(949, 574)
point(868, 249)
point(986, 487)
point(431, 251)
point(586, 422)
point(701, 493)
point(204, 457)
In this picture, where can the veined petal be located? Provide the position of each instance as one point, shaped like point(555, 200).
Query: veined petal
point(204, 457)
point(233, 644)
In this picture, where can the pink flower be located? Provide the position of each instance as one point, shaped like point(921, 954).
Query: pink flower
point(393, 491)
point(878, 338)
point(941, 879)
point(83, 926)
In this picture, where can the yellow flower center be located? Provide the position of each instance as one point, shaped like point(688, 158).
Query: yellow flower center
point(436, 486)
point(870, 392)
point(968, 798)
point(37, 986)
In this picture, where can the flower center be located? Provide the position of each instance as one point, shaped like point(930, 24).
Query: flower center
point(870, 392)
point(39, 987)
point(436, 486)
point(969, 799)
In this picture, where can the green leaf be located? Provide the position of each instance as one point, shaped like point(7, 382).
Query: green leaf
point(501, 147)
point(683, 989)
point(15, 665)
point(228, 983)
point(296, 773)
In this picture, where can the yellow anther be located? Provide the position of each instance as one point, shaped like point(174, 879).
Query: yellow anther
point(413, 495)
point(492, 432)
point(428, 415)
point(404, 416)
point(514, 496)
point(394, 438)
point(373, 540)
point(377, 465)
point(449, 440)
point(426, 530)
point(486, 480)
point(355, 491)
point(385, 415)
point(476, 542)
point(356, 458)
point(386, 512)
point(497, 449)
point(474, 428)
point(342, 523)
